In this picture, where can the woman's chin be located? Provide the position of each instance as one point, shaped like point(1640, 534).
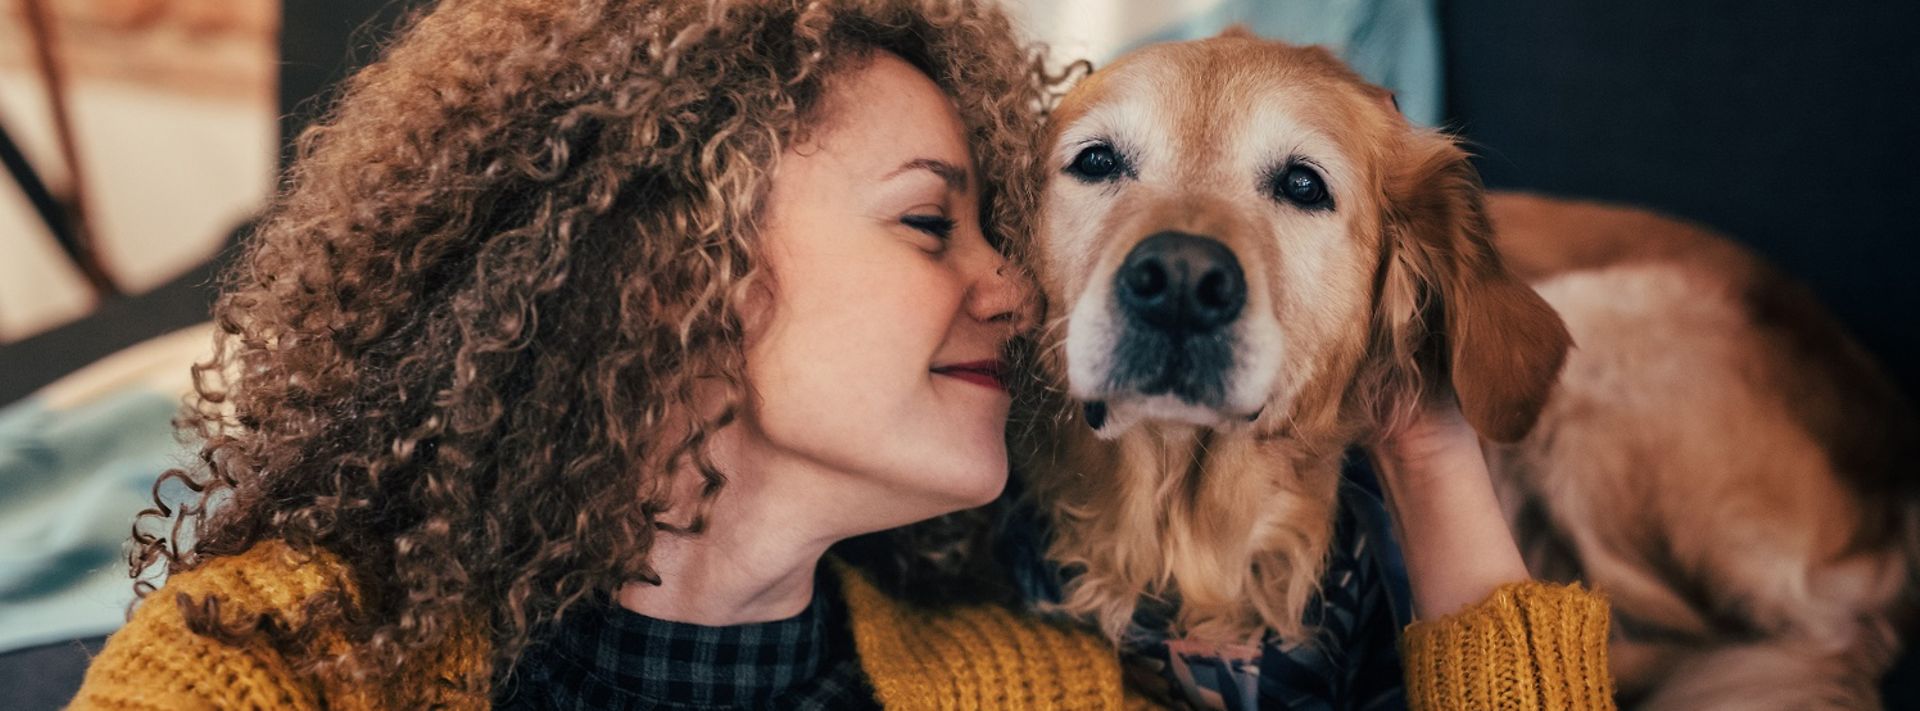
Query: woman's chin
point(978, 486)
point(987, 489)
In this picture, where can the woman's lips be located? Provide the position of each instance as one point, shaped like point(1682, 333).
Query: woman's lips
point(985, 373)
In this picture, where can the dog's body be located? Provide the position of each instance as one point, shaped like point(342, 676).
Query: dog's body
point(1718, 459)
point(1254, 263)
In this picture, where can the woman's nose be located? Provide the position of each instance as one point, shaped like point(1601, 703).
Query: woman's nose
point(1003, 293)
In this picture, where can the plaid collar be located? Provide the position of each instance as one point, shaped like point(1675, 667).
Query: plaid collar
point(607, 657)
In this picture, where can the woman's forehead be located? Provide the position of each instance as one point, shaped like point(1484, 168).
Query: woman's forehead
point(885, 113)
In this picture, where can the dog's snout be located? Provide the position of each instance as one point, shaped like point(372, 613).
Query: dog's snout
point(1177, 281)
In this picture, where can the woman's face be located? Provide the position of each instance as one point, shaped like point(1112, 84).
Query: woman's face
point(875, 363)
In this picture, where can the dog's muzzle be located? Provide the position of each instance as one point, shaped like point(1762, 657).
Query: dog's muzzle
point(1178, 294)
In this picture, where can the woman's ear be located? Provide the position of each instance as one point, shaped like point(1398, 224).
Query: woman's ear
point(1450, 303)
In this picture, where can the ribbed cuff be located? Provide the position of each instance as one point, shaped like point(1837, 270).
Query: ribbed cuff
point(1529, 645)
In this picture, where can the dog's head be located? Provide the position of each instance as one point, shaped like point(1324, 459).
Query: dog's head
point(1238, 231)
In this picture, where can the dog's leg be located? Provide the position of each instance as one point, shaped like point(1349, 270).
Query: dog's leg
point(1771, 674)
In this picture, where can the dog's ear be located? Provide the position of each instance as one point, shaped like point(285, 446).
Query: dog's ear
point(1450, 308)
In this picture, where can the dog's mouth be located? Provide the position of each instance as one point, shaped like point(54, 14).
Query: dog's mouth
point(1155, 376)
point(1189, 367)
point(1099, 415)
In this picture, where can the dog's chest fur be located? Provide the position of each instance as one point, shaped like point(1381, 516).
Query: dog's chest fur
point(1231, 527)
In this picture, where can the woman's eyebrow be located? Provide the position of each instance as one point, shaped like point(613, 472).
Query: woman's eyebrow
point(955, 176)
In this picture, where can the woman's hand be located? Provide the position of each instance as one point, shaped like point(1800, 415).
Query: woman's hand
point(1452, 533)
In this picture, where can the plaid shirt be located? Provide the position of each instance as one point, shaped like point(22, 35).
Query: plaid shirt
point(1353, 663)
point(607, 657)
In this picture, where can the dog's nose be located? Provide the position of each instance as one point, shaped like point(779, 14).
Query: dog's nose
point(1177, 281)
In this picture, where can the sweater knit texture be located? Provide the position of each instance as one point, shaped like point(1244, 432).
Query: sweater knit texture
point(1530, 646)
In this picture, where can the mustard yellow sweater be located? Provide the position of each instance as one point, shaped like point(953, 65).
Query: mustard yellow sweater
point(1530, 646)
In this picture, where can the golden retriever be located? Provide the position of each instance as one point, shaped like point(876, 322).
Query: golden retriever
point(1254, 263)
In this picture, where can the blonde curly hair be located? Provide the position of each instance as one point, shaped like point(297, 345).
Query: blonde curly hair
point(461, 352)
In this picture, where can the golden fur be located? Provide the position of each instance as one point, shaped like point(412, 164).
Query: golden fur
point(1717, 456)
point(1396, 295)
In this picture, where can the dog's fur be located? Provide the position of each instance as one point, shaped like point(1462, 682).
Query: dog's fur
point(1719, 458)
point(1704, 463)
point(1352, 315)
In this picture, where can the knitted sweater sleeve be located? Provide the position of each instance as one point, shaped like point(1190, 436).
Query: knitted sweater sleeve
point(1530, 645)
point(155, 662)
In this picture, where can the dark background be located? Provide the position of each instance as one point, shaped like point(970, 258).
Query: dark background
point(1793, 127)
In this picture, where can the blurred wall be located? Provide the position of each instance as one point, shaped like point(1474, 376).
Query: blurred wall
point(174, 109)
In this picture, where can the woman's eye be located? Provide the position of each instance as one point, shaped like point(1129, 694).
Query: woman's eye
point(936, 225)
point(1302, 186)
point(1096, 163)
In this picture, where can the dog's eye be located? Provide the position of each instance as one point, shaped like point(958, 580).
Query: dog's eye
point(1302, 186)
point(1097, 163)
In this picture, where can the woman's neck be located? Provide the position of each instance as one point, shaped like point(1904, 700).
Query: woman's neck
point(755, 560)
point(778, 513)
point(707, 581)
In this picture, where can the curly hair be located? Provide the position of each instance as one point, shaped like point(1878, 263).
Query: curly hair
point(462, 350)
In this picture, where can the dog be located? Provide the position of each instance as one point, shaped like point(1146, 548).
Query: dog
point(1253, 263)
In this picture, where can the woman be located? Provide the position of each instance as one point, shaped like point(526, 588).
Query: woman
point(624, 310)
point(581, 333)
